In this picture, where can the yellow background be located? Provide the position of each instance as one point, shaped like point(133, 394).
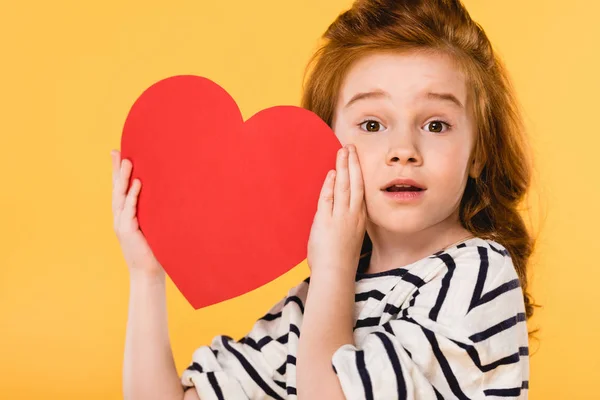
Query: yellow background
point(70, 72)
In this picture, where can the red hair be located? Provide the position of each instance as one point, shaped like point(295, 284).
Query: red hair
point(489, 206)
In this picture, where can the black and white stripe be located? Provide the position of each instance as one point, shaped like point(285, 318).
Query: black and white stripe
point(439, 328)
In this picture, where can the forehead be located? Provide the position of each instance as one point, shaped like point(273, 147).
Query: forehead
point(404, 75)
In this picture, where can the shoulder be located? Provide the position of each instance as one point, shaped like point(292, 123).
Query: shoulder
point(476, 257)
point(476, 275)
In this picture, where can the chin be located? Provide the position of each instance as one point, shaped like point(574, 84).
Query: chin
point(400, 222)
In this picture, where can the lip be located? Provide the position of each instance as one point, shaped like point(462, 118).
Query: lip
point(404, 197)
point(403, 181)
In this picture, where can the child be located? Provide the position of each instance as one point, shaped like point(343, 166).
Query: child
point(417, 252)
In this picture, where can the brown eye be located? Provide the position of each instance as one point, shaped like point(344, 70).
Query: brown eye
point(436, 126)
point(371, 126)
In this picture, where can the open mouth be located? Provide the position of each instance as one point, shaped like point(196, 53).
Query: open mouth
point(403, 188)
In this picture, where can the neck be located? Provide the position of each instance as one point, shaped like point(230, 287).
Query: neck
point(397, 249)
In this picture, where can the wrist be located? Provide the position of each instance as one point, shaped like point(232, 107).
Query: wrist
point(147, 277)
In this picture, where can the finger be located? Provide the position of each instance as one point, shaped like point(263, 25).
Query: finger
point(130, 208)
point(121, 184)
point(357, 186)
point(325, 203)
point(125, 175)
point(116, 161)
point(342, 183)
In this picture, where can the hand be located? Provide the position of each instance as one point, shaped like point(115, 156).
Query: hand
point(138, 255)
point(338, 229)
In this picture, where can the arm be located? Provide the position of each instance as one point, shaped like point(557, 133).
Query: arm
point(149, 369)
point(327, 325)
point(191, 394)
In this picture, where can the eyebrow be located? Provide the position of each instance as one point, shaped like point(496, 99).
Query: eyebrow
point(445, 97)
point(383, 94)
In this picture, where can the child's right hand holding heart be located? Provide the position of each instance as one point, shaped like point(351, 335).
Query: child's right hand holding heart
point(139, 257)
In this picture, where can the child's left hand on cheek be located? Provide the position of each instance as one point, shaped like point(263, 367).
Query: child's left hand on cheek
point(338, 228)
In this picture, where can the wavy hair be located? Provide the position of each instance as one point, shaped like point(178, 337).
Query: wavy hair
point(490, 204)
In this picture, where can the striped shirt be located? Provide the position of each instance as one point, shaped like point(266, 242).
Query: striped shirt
point(449, 326)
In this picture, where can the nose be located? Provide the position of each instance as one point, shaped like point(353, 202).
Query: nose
point(403, 150)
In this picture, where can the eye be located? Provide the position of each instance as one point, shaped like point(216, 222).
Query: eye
point(371, 125)
point(437, 126)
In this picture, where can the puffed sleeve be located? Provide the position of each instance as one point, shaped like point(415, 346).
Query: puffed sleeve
point(462, 336)
point(252, 367)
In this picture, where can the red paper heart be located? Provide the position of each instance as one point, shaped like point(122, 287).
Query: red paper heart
point(226, 205)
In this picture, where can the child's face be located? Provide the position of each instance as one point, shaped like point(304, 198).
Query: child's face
point(407, 135)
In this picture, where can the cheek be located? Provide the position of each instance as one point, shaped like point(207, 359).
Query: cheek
point(344, 132)
point(448, 170)
point(365, 162)
point(371, 174)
